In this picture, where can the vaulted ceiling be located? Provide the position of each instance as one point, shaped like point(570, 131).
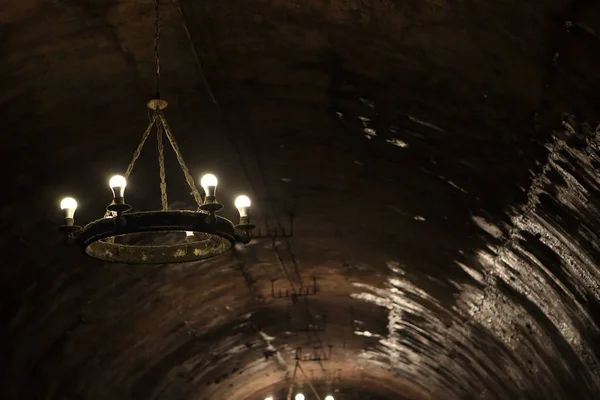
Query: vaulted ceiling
point(438, 160)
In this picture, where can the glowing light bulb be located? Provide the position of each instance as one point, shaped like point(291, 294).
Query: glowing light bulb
point(189, 233)
point(330, 397)
point(268, 398)
point(118, 184)
point(242, 203)
point(69, 205)
point(209, 180)
point(117, 181)
point(209, 184)
point(299, 396)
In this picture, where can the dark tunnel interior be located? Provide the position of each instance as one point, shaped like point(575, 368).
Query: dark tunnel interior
point(425, 171)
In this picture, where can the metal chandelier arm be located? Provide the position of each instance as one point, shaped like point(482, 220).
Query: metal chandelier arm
point(137, 152)
point(291, 387)
point(186, 172)
point(161, 165)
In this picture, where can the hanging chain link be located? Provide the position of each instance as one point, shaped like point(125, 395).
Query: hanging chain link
point(161, 165)
point(139, 148)
point(291, 387)
point(186, 172)
point(157, 45)
point(157, 119)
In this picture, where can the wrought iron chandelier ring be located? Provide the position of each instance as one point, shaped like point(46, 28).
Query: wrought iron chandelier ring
point(193, 236)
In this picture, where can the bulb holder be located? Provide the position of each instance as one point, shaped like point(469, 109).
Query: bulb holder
point(69, 226)
point(245, 224)
point(119, 208)
point(119, 199)
point(211, 204)
point(210, 192)
point(119, 193)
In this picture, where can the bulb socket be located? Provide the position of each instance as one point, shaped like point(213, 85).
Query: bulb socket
point(119, 207)
point(211, 204)
point(119, 200)
point(69, 221)
point(69, 229)
point(210, 198)
point(245, 224)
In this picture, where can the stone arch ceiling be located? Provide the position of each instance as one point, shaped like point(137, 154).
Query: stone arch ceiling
point(440, 159)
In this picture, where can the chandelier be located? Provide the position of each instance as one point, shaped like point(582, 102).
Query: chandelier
point(158, 236)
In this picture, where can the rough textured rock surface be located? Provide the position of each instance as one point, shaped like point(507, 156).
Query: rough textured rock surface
point(440, 158)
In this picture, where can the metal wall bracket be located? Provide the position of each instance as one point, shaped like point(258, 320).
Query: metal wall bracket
point(303, 292)
point(325, 376)
point(318, 354)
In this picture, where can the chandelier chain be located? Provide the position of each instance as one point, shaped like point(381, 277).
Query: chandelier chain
point(186, 172)
point(308, 380)
point(157, 45)
point(139, 148)
point(161, 165)
point(291, 387)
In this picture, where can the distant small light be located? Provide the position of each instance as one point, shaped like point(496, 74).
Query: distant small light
point(299, 396)
point(330, 397)
point(268, 398)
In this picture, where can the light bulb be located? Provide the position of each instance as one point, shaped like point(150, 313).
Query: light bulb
point(242, 203)
point(118, 184)
point(268, 398)
point(209, 184)
point(299, 396)
point(189, 233)
point(330, 397)
point(69, 205)
point(117, 181)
